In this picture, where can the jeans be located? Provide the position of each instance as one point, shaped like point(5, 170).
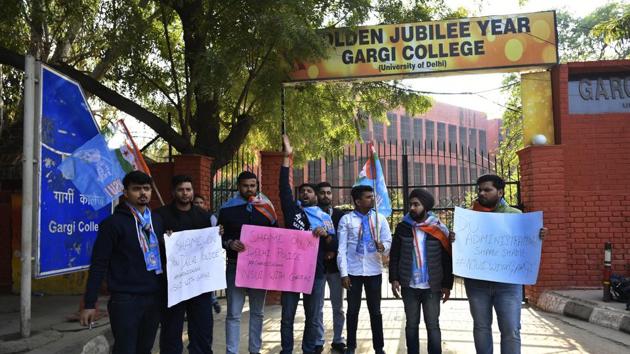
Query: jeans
point(235, 302)
point(312, 309)
point(200, 322)
point(134, 319)
point(339, 317)
point(506, 300)
point(372, 286)
point(429, 301)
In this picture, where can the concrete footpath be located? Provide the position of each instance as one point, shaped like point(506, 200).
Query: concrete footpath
point(556, 332)
point(586, 305)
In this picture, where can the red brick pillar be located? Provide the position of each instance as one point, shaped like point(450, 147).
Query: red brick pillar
point(543, 189)
point(199, 168)
point(270, 163)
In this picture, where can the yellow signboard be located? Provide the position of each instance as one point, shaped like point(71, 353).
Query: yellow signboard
point(493, 42)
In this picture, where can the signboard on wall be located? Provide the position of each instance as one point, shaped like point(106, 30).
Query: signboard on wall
point(406, 50)
point(66, 221)
point(599, 93)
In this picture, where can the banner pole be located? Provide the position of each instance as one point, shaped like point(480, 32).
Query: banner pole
point(283, 128)
point(26, 259)
point(373, 164)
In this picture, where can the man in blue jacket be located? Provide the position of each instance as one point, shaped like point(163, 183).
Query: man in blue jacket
point(127, 251)
point(304, 215)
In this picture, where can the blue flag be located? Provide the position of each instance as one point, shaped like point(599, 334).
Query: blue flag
point(372, 175)
point(95, 171)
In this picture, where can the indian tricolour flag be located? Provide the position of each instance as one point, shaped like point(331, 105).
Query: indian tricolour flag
point(372, 175)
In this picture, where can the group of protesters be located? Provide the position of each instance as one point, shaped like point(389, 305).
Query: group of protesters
point(129, 255)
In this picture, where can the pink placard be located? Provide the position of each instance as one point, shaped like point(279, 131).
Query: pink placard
point(277, 259)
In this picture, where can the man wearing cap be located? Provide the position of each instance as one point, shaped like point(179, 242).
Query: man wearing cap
point(421, 266)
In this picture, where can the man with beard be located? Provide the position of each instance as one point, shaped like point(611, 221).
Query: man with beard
point(182, 215)
point(420, 262)
point(247, 207)
point(333, 278)
point(127, 251)
point(304, 215)
point(484, 295)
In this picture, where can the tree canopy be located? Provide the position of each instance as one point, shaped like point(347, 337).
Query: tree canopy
point(216, 67)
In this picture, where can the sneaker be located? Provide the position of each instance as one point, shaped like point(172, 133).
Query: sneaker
point(217, 307)
point(340, 347)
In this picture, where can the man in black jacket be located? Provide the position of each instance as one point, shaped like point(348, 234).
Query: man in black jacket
point(304, 216)
point(127, 251)
point(420, 262)
point(333, 277)
point(182, 215)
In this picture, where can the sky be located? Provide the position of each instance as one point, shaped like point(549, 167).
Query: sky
point(491, 100)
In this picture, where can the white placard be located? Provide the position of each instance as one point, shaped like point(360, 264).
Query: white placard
point(498, 247)
point(195, 263)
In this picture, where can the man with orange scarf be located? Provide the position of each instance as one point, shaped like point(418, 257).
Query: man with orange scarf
point(420, 263)
point(484, 295)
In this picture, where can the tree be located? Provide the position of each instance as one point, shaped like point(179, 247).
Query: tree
point(216, 66)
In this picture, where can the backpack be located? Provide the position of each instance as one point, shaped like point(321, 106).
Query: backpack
point(620, 288)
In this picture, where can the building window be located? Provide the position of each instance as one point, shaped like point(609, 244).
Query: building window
point(442, 182)
point(378, 129)
point(405, 128)
point(365, 134)
point(441, 136)
point(463, 141)
point(452, 137)
point(429, 127)
point(392, 128)
point(453, 180)
point(417, 130)
point(392, 172)
point(472, 139)
point(418, 173)
point(430, 173)
point(332, 173)
point(483, 147)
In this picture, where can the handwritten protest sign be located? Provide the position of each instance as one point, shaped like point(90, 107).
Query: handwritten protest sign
point(277, 259)
point(195, 263)
point(496, 246)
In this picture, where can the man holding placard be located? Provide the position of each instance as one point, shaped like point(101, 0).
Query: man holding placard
point(182, 215)
point(247, 207)
point(484, 290)
point(363, 237)
point(304, 215)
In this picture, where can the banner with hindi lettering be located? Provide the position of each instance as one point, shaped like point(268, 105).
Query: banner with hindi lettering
point(67, 218)
point(497, 246)
point(277, 259)
point(195, 263)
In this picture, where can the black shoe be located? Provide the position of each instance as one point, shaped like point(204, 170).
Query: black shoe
point(217, 307)
point(340, 347)
point(319, 349)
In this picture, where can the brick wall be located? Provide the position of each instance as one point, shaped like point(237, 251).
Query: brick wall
point(582, 186)
point(196, 166)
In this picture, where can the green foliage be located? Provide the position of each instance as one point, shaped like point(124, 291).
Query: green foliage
point(597, 36)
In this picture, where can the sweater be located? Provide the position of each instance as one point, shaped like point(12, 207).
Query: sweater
point(117, 256)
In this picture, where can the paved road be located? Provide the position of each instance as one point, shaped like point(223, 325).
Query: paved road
point(541, 332)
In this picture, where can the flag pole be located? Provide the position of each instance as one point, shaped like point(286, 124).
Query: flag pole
point(373, 166)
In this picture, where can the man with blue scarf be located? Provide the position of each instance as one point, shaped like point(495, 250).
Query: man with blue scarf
point(247, 207)
point(127, 252)
point(363, 237)
point(304, 215)
point(420, 262)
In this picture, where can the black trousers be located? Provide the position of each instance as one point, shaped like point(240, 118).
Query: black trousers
point(372, 286)
point(134, 319)
point(198, 311)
